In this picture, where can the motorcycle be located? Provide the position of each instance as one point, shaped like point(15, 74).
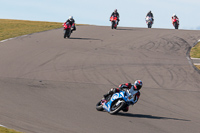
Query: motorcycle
point(149, 21)
point(115, 103)
point(175, 22)
point(67, 29)
point(113, 20)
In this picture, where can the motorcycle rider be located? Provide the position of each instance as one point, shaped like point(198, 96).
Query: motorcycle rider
point(71, 21)
point(116, 14)
point(133, 89)
point(150, 14)
point(174, 17)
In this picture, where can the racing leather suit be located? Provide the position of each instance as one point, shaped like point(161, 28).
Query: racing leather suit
point(150, 14)
point(175, 17)
point(71, 22)
point(127, 86)
point(117, 15)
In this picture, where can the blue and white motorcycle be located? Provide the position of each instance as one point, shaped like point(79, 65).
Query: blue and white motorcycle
point(118, 101)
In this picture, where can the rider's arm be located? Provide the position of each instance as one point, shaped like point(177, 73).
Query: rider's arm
point(136, 98)
point(126, 85)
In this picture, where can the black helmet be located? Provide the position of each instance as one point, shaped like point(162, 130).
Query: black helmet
point(138, 84)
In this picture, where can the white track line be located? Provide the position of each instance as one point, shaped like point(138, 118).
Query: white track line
point(12, 38)
point(195, 58)
point(2, 125)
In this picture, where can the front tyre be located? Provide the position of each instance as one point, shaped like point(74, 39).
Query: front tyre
point(176, 25)
point(113, 24)
point(116, 108)
point(67, 33)
point(99, 106)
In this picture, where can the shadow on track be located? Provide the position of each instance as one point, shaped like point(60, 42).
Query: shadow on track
point(149, 116)
point(127, 29)
point(84, 38)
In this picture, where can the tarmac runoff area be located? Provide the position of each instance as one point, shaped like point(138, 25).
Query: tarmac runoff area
point(51, 85)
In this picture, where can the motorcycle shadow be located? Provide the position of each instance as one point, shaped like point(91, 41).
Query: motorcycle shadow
point(124, 29)
point(76, 38)
point(149, 116)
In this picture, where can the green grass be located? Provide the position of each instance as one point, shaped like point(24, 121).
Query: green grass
point(6, 130)
point(12, 28)
point(195, 51)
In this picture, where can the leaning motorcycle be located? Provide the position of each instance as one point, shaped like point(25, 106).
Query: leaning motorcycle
point(113, 20)
point(67, 29)
point(175, 22)
point(149, 21)
point(115, 103)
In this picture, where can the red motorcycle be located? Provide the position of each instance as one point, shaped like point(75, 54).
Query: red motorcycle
point(113, 20)
point(175, 22)
point(67, 29)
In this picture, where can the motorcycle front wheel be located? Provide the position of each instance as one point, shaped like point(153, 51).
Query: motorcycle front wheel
point(176, 26)
point(67, 33)
point(99, 106)
point(116, 108)
point(113, 24)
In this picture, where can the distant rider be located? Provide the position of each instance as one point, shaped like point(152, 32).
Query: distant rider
point(174, 17)
point(133, 89)
point(116, 14)
point(71, 21)
point(150, 14)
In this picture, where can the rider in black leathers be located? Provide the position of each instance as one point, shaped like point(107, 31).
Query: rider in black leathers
point(71, 21)
point(150, 14)
point(115, 13)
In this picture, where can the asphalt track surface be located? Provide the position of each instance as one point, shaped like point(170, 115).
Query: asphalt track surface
point(49, 84)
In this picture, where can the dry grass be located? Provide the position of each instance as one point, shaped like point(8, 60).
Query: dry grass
point(198, 66)
point(5, 130)
point(13, 28)
point(195, 51)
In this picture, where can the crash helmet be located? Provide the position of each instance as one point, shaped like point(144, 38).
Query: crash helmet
point(138, 84)
point(115, 10)
point(174, 15)
point(70, 17)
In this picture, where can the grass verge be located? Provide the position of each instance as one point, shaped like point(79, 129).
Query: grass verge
point(12, 28)
point(6, 130)
point(197, 66)
point(195, 53)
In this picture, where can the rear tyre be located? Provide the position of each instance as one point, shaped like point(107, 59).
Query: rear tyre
point(115, 27)
point(116, 108)
point(99, 106)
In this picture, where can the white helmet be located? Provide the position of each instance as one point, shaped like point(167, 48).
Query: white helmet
point(70, 17)
point(174, 14)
